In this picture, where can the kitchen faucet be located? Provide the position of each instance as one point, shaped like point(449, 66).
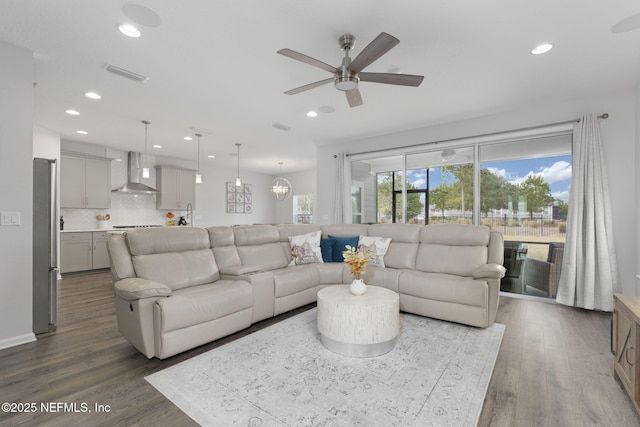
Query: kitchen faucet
point(190, 213)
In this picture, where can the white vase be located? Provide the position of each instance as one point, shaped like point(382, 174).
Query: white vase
point(358, 287)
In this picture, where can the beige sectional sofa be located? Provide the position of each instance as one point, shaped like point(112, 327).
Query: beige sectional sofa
point(181, 287)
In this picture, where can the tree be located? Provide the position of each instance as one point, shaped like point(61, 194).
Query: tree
point(385, 197)
point(563, 207)
point(494, 189)
point(536, 192)
point(441, 198)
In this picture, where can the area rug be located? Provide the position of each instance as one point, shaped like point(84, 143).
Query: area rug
point(437, 375)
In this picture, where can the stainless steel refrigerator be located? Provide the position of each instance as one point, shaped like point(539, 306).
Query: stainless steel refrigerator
point(45, 245)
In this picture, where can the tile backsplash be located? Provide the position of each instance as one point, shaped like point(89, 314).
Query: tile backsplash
point(126, 209)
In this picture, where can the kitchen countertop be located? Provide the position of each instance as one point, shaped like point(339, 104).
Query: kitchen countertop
point(87, 230)
point(110, 229)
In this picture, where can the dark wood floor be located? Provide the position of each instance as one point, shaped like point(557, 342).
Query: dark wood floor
point(554, 368)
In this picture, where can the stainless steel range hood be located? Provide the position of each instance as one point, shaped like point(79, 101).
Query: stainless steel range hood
point(134, 173)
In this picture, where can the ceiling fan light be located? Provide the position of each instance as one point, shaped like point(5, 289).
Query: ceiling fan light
point(346, 83)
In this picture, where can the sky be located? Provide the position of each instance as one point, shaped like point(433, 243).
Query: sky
point(554, 170)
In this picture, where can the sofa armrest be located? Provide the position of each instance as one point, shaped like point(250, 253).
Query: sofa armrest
point(135, 288)
point(490, 271)
point(239, 270)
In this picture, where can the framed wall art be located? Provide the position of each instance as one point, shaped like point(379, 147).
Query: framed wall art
point(239, 199)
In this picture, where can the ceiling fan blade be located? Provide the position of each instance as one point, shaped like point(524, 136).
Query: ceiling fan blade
point(374, 50)
point(392, 79)
point(309, 86)
point(353, 97)
point(307, 60)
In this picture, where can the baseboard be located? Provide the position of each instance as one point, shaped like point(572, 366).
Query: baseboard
point(19, 340)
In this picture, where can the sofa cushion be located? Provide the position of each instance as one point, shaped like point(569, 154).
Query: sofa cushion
point(376, 246)
point(458, 260)
point(294, 279)
point(403, 249)
point(146, 241)
point(134, 288)
point(455, 235)
point(305, 248)
point(383, 277)
point(178, 270)
point(340, 245)
point(344, 230)
point(326, 247)
point(199, 304)
point(331, 273)
point(444, 287)
point(254, 234)
point(268, 256)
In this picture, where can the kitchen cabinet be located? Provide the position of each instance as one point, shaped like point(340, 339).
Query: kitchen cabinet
point(626, 337)
point(85, 182)
point(100, 253)
point(176, 188)
point(83, 250)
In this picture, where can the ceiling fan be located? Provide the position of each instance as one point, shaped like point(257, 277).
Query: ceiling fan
point(347, 76)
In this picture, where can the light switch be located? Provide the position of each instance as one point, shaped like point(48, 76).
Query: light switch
point(9, 218)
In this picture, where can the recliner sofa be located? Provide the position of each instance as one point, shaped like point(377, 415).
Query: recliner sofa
point(180, 287)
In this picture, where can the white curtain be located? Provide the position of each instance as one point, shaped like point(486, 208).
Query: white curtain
point(342, 201)
point(338, 205)
point(589, 274)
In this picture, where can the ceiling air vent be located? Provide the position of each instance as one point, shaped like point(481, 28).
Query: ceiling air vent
point(127, 74)
point(282, 127)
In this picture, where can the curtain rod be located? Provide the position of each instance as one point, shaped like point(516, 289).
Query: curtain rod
point(601, 116)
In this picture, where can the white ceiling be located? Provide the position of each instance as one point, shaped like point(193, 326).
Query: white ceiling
point(213, 65)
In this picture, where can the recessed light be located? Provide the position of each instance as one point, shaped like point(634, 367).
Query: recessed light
point(92, 95)
point(542, 48)
point(188, 138)
point(312, 114)
point(211, 156)
point(82, 132)
point(72, 112)
point(157, 146)
point(129, 30)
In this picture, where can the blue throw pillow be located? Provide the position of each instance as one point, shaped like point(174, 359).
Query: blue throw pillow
point(326, 246)
point(340, 245)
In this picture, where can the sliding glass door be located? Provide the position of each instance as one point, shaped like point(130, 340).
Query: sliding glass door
point(518, 186)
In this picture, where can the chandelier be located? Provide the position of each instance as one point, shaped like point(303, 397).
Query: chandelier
point(281, 187)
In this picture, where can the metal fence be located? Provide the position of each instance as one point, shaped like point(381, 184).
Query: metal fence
point(536, 226)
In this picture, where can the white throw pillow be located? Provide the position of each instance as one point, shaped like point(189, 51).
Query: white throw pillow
point(378, 246)
point(305, 248)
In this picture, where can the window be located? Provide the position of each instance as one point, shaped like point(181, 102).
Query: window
point(389, 196)
point(357, 201)
point(303, 209)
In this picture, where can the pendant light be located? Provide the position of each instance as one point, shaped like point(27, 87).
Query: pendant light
point(281, 187)
point(145, 170)
point(198, 175)
point(238, 180)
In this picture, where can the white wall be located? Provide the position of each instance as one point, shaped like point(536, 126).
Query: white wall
point(619, 139)
point(637, 182)
point(301, 183)
point(16, 195)
point(211, 197)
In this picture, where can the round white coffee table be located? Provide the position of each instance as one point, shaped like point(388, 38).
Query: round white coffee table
point(359, 326)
